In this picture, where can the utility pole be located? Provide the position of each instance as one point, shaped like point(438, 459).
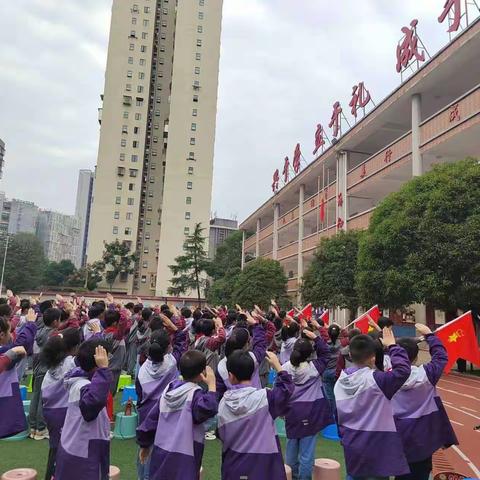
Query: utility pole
point(4, 262)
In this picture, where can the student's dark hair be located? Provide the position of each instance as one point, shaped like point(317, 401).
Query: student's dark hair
point(207, 326)
point(237, 341)
point(54, 352)
point(282, 314)
point(164, 308)
point(353, 333)
point(270, 316)
point(156, 323)
point(147, 314)
point(185, 312)
point(159, 343)
point(111, 317)
point(4, 325)
point(334, 332)
point(362, 348)
point(197, 314)
point(411, 347)
point(207, 315)
point(302, 350)
point(51, 315)
point(137, 308)
point(168, 314)
point(45, 305)
point(241, 364)
point(231, 317)
point(86, 353)
point(290, 331)
point(5, 310)
point(65, 315)
point(95, 311)
point(321, 322)
point(25, 304)
point(192, 364)
point(129, 306)
point(101, 303)
point(385, 322)
point(72, 338)
point(3, 301)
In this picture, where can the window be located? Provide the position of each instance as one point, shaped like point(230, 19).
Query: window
point(142, 62)
point(161, 60)
point(163, 36)
point(124, 129)
point(155, 139)
point(194, 112)
point(128, 231)
point(193, 127)
point(134, 20)
point(115, 230)
point(159, 86)
point(136, 130)
point(133, 34)
point(187, 215)
point(116, 215)
point(130, 201)
point(157, 113)
point(146, 9)
point(138, 116)
point(200, 15)
point(117, 200)
point(131, 47)
point(131, 186)
point(191, 156)
point(197, 70)
point(152, 179)
point(160, 74)
point(196, 84)
point(148, 221)
point(143, 48)
point(200, 29)
point(130, 60)
point(144, 35)
point(164, 11)
point(149, 208)
point(121, 171)
point(133, 172)
point(199, 42)
point(147, 236)
point(145, 23)
point(162, 48)
point(150, 194)
point(141, 75)
point(134, 158)
point(124, 275)
point(140, 88)
point(164, 24)
point(189, 185)
point(189, 201)
point(153, 166)
point(129, 215)
point(192, 141)
point(186, 230)
point(201, 2)
point(198, 56)
point(119, 185)
point(135, 144)
point(123, 142)
point(129, 74)
point(145, 250)
point(195, 98)
point(122, 157)
point(125, 114)
point(144, 279)
point(190, 170)
point(145, 264)
point(139, 102)
point(128, 87)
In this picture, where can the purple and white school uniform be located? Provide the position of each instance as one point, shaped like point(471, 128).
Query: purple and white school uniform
point(259, 350)
point(176, 431)
point(84, 449)
point(153, 378)
point(419, 413)
point(251, 448)
point(286, 349)
point(371, 442)
point(11, 405)
point(55, 399)
point(309, 410)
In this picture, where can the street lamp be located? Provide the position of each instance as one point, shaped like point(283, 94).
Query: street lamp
point(4, 262)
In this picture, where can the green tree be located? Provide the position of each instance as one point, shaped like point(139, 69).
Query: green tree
point(330, 279)
point(189, 268)
point(117, 260)
point(88, 277)
point(259, 282)
point(57, 273)
point(220, 291)
point(423, 242)
point(25, 262)
point(227, 257)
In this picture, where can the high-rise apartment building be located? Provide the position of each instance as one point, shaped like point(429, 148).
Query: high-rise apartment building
point(154, 172)
point(23, 217)
point(220, 230)
point(82, 212)
point(2, 156)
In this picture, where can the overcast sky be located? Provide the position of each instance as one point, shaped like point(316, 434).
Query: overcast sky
point(283, 65)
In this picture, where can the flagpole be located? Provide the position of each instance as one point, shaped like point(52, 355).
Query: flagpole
point(318, 200)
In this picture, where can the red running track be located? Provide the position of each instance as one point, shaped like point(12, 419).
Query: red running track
point(461, 397)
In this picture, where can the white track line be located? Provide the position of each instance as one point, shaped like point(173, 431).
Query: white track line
point(471, 397)
point(457, 423)
point(460, 384)
point(465, 413)
point(470, 409)
point(474, 469)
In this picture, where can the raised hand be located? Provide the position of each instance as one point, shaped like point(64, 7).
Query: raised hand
point(31, 315)
point(309, 334)
point(388, 338)
point(274, 361)
point(423, 329)
point(101, 357)
point(20, 351)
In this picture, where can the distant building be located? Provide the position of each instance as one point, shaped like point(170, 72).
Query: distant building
point(5, 206)
point(220, 230)
point(2, 156)
point(59, 235)
point(23, 217)
point(82, 212)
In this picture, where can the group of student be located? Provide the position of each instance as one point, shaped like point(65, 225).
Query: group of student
point(203, 373)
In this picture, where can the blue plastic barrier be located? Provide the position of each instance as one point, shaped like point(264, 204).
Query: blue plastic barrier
point(23, 392)
point(331, 433)
point(129, 392)
point(272, 376)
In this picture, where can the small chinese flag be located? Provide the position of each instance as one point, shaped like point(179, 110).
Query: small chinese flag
point(325, 316)
point(362, 321)
point(307, 312)
point(460, 340)
point(291, 313)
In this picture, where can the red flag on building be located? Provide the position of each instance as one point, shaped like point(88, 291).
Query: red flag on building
point(325, 316)
point(362, 321)
point(460, 340)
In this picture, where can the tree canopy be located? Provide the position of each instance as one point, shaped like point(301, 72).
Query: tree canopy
point(25, 262)
point(117, 259)
point(260, 281)
point(423, 242)
point(330, 279)
point(58, 273)
point(189, 268)
point(227, 257)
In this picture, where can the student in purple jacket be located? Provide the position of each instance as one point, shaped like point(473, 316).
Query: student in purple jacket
point(84, 448)
point(58, 356)
point(419, 413)
point(174, 427)
point(160, 368)
point(251, 448)
point(309, 410)
point(240, 340)
point(13, 418)
point(372, 445)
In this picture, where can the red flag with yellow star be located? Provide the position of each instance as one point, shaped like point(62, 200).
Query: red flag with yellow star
point(460, 340)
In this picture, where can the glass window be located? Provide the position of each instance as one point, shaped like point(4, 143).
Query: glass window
point(124, 129)
point(199, 42)
point(115, 230)
point(143, 48)
point(125, 114)
point(192, 141)
point(122, 157)
point(186, 230)
point(140, 88)
point(193, 127)
point(146, 22)
point(119, 185)
point(144, 279)
point(201, 2)
point(128, 231)
point(198, 56)
point(142, 62)
point(123, 142)
point(200, 29)
point(131, 186)
point(130, 60)
point(195, 98)
point(187, 215)
point(138, 116)
point(129, 74)
point(145, 265)
point(200, 15)
point(128, 87)
point(189, 185)
point(141, 75)
point(197, 70)
point(131, 47)
point(194, 112)
point(130, 201)
point(134, 20)
point(190, 170)
point(191, 156)
point(146, 9)
point(136, 130)
point(117, 200)
point(144, 35)
point(189, 201)
point(135, 144)
point(121, 171)
point(133, 172)
point(116, 215)
point(129, 215)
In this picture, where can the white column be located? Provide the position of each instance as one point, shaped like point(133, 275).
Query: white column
point(243, 249)
point(301, 199)
point(257, 240)
point(417, 164)
point(276, 215)
point(342, 210)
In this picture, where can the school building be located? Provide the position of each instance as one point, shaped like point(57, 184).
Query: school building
point(432, 117)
